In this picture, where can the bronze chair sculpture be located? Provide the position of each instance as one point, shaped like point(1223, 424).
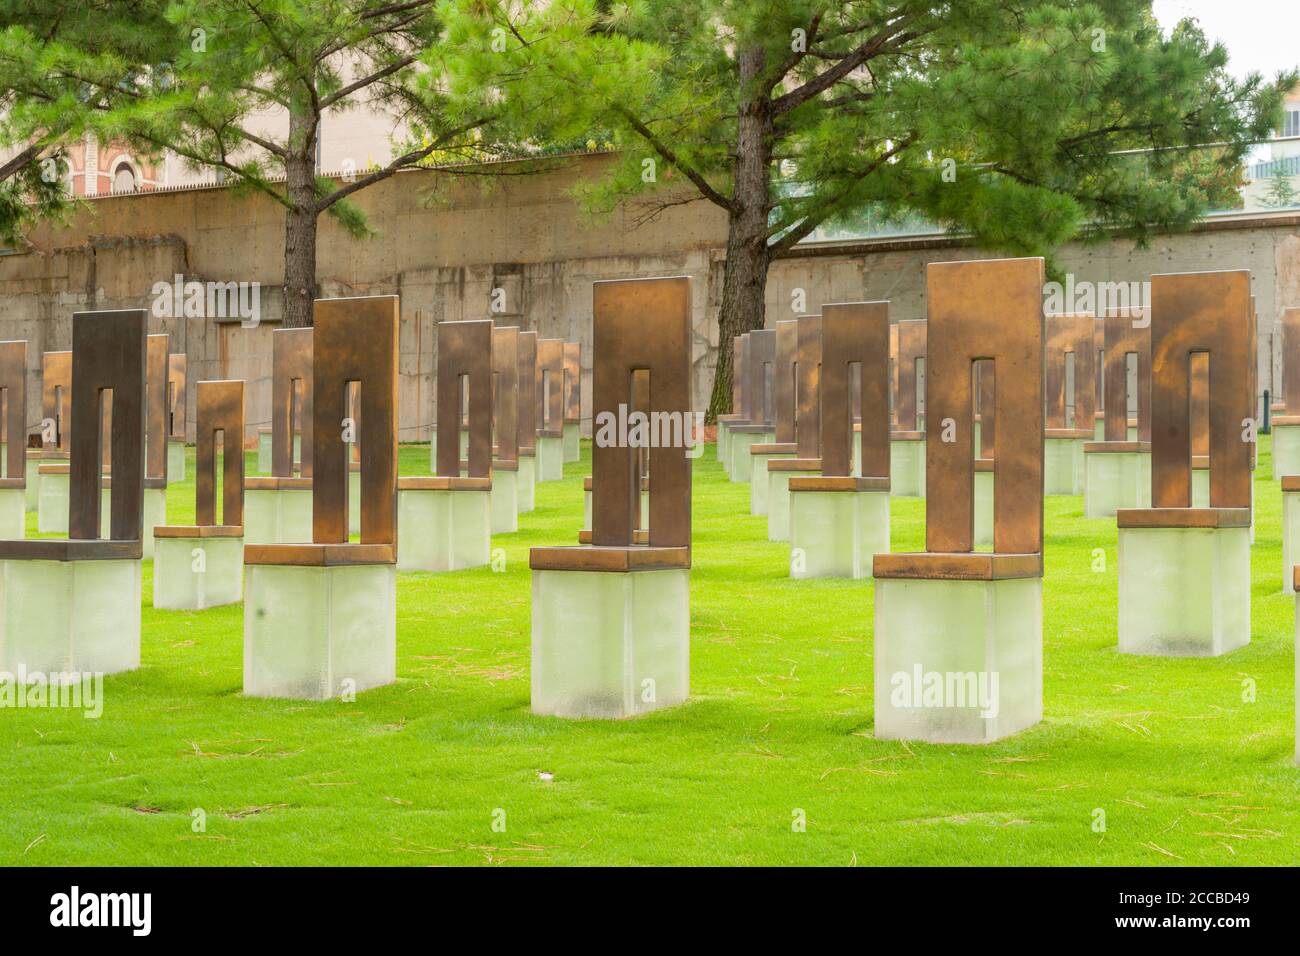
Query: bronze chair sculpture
point(1118, 468)
point(807, 415)
point(952, 610)
point(572, 401)
point(1184, 571)
point(785, 371)
point(278, 508)
point(72, 605)
point(737, 416)
point(504, 497)
point(320, 617)
point(550, 409)
point(202, 565)
point(907, 437)
point(1286, 413)
point(611, 620)
point(1070, 417)
point(759, 426)
point(444, 522)
point(176, 410)
point(526, 416)
point(55, 476)
point(839, 520)
point(284, 447)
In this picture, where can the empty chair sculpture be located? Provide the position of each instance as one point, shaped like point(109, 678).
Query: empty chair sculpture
point(785, 371)
point(974, 619)
point(1070, 359)
point(176, 408)
point(572, 401)
point(907, 437)
point(1184, 571)
point(320, 618)
point(526, 416)
point(445, 521)
point(278, 508)
point(550, 409)
point(611, 620)
point(807, 429)
point(1118, 468)
point(739, 363)
point(504, 498)
point(202, 565)
point(71, 605)
point(838, 520)
point(759, 427)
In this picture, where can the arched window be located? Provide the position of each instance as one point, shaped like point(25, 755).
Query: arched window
point(124, 179)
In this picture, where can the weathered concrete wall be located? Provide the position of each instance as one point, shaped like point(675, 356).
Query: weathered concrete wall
point(444, 253)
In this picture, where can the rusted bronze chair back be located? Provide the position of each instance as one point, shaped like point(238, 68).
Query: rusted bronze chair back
point(855, 334)
point(985, 310)
point(220, 411)
point(465, 351)
point(1200, 313)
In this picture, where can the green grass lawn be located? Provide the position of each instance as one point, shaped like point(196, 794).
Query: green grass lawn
point(1184, 768)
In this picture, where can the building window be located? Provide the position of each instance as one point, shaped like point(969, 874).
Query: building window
point(1291, 123)
point(124, 179)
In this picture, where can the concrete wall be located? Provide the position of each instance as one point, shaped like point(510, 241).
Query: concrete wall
point(445, 242)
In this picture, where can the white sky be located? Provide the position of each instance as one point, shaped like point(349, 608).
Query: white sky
point(1262, 35)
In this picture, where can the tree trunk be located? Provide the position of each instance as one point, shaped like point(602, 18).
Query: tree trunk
point(300, 221)
point(744, 276)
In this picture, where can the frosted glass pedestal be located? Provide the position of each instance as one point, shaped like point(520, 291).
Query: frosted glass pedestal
point(741, 469)
point(64, 617)
point(550, 458)
point(175, 459)
point(760, 483)
point(836, 534)
point(264, 453)
point(33, 479)
point(443, 529)
point(1063, 466)
point(52, 502)
point(197, 567)
point(610, 644)
point(1115, 479)
point(1286, 450)
point(1290, 530)
point(313, 633)
point(958, 661)
point(723, 448)
point(778, 494)
point(525, 485)
point(907, 467)
point(572, 442)
point(503, 500)
point(983, 509)
point(1183, 592)
point(13, 513)
point(277, 515)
